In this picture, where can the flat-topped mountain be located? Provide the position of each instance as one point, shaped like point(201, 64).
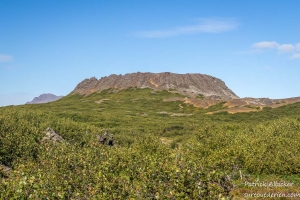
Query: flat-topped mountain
point(44, 98)
point(188, 84)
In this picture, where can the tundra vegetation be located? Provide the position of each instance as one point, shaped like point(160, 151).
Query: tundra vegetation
point(157, 155)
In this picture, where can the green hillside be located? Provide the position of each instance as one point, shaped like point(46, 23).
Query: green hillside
point(163, 149)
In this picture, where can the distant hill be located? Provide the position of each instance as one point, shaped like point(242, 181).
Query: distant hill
point(199, 90)
point(187, 84)
point(44, 98)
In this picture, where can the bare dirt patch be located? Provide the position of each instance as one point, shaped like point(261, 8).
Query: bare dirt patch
point(165, 140)
point(101, 100)
point(175, 114)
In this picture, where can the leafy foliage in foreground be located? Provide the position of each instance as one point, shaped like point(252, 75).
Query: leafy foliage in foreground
point(84, 168)
point(202, 161)
point(268, 148)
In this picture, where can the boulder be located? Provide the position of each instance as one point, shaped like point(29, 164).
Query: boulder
point(4, 170)
point(106, 138)
point(52, 136)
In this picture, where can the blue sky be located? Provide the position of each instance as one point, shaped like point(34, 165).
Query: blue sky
point(50, 46)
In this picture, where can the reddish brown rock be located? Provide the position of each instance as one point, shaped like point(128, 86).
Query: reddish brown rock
point(188, 84)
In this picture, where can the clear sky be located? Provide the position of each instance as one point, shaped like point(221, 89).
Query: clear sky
point(49, 46)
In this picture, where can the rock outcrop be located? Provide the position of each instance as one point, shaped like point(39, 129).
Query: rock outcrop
point(52, 136)
point(188, 84)
point(44, 98)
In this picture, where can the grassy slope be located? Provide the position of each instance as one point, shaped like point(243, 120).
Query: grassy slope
point(263, 143)
point(143, 110)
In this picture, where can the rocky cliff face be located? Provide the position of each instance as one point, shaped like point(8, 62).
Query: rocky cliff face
point(189, 84)
point(44, 98)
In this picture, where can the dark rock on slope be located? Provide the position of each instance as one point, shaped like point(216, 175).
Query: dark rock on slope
point(188, 84)
point(44, 98)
